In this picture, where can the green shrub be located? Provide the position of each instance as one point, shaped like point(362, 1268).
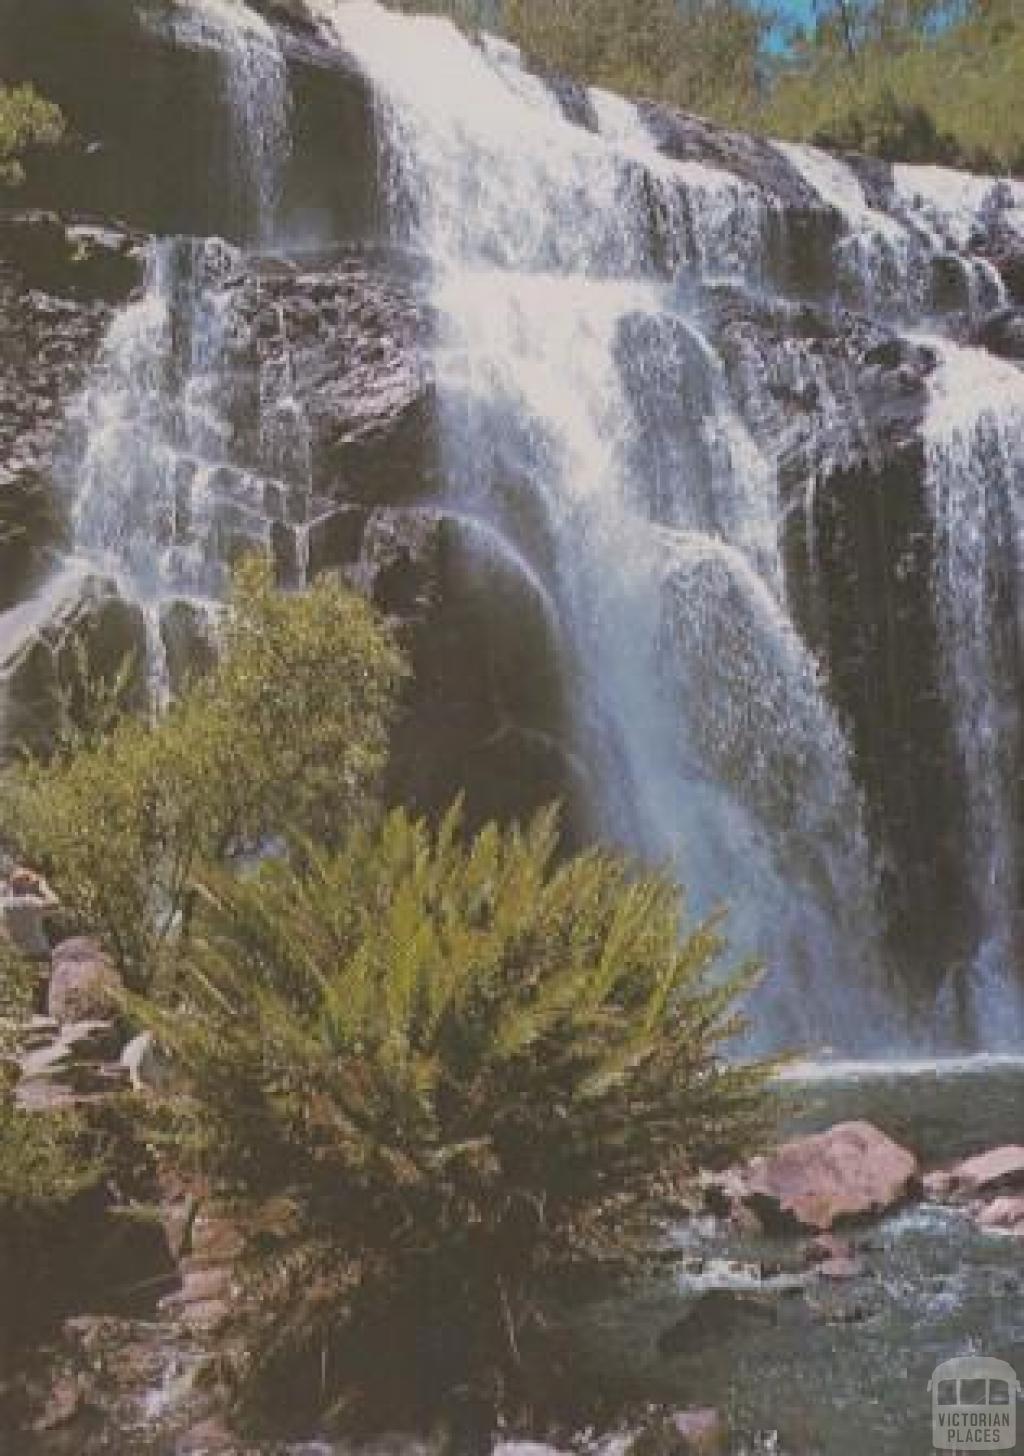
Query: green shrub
point(945, 94)
point(457, 1071)
point(289, 730)
point(26, 120)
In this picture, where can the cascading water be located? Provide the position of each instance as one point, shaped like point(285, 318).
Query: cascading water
point(256, 88)
point(974, 438)
point(149, 468)
point(589, 431)
point(159, 501)
point(585, 416)
point(886, 263)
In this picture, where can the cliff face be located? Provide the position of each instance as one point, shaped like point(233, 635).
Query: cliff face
point(807, 313)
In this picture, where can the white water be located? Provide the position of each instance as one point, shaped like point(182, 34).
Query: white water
point(886, 262)
point(585, 416)
point(707, 218)
point(974, 438)
point(159, 502)
point(588, 431)
point(256, 88)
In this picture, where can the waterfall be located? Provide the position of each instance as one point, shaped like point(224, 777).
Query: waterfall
point(256, 89)
point(159, 500)
point(974, 438)
point(155, 494)
point(579, 285)
point(584, 415)
point(885, 262)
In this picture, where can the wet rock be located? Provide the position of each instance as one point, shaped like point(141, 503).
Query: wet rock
point(211, 1437)
point(347, 332)
point(67, 1400)
point(84, 984)
point(335, 538)
point(73, 621)
point(996, 1171)
point(485, 711)
point(1003, 246)
point(188, 635)
point(833, 1259)
point(689, 138)
point(55, 294)
point(848, 1174)
point(838, 402)
point(72, 259)
point(839, 1269)
point(842, 1309)
point(1002, 333)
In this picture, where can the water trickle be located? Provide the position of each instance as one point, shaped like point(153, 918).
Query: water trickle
point(160, 500)
point(257, 93)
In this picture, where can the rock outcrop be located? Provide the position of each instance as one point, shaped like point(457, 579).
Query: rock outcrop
point(59, 282)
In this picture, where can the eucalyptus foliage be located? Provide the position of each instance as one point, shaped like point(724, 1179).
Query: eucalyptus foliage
point(288, 731)
point(26, 120)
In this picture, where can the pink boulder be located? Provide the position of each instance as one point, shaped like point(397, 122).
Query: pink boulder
point(1003, 1215)
point(848, 1174)
point(996, 1171)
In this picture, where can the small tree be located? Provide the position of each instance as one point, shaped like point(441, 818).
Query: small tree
point(26, 120)
point(457, 1072)
point(289, 730)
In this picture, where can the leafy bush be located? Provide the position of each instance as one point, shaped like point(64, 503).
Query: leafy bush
point(942, 92)
point(26, 120)
point(455, 1072)
point(289, 730)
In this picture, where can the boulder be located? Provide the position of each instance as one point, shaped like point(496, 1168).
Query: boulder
point(1002, 333)
point(72, 259)
point(84, 984)
point(1003, 1215)
point(850, 1173)
point(995, 1171)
